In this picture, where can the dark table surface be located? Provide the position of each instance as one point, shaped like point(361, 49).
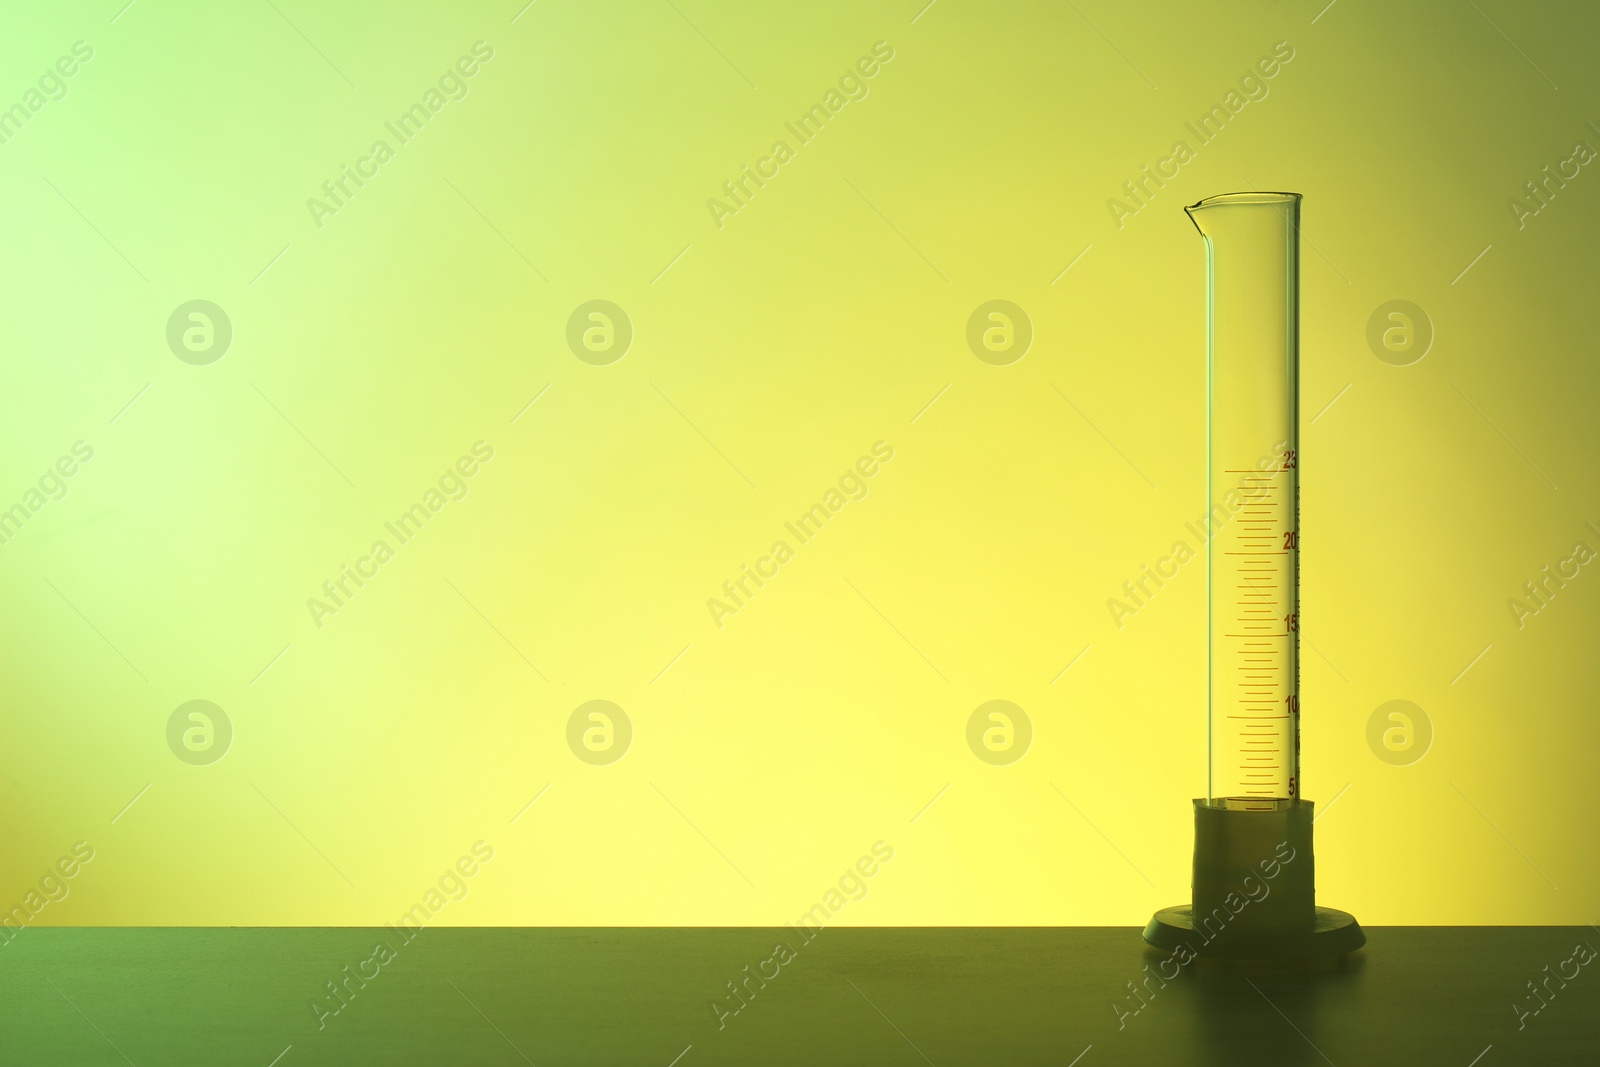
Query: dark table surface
point(1416, 995)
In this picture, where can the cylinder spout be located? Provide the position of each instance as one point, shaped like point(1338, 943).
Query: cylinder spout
point(1204, 215)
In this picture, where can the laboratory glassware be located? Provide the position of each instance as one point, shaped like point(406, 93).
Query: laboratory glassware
point(1254, 876)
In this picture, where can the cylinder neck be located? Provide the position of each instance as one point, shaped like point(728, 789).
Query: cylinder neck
point(1215, 214)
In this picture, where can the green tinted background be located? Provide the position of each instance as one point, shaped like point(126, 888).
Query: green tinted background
point(769, 353)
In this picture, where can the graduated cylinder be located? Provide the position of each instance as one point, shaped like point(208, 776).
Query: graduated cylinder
point(1253, 895)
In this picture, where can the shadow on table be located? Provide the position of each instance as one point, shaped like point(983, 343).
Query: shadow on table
point(1257, 1013)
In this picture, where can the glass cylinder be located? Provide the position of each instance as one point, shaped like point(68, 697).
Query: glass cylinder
point(1252, 243)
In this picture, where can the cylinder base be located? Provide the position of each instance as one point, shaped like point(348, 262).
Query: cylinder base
point(1334, 933)
point(1254, 888)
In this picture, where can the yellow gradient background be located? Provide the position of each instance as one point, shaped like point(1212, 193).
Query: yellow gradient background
point(768, 355)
